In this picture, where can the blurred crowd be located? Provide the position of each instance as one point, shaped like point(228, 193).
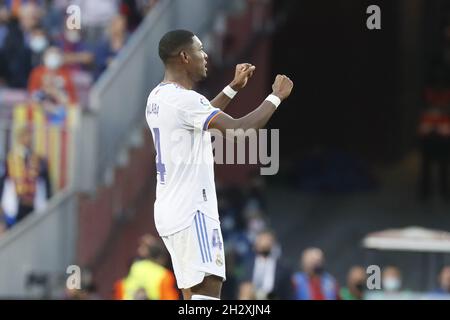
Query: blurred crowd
point(46, 71)
point(256, 267)
point(24, 182)
point(53, 60)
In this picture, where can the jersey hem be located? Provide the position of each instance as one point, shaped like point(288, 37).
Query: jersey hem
point(185, 226)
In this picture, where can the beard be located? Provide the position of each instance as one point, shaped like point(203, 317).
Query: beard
point(203, 75)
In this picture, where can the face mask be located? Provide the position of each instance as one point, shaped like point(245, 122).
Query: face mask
point(360, 286)
point(72, 36)
point(38, 44)
point(318, 269)
point(391, 284)
point(53, 61)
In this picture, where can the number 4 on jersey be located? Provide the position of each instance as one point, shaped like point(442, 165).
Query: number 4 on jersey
point(216, 239)
point(160, 167)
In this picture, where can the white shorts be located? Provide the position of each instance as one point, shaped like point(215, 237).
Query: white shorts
point(197, 251)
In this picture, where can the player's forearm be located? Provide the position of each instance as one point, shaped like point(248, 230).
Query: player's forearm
point(258, 118)
point(224, 97)
point(221, 101)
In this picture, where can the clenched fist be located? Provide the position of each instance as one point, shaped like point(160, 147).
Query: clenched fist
point(243, 73)
point(282, 86)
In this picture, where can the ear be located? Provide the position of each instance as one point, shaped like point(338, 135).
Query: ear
point(184, 56)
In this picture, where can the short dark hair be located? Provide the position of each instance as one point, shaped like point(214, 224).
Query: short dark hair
point(172, 42)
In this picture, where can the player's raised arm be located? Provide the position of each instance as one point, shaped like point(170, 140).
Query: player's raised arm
point(258, 118)
point(243, 73)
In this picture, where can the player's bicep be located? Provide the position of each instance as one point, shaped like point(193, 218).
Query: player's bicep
point(222, 122)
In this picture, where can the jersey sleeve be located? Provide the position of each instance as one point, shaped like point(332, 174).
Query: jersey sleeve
point(196, 112)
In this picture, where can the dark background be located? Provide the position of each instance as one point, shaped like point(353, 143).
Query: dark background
point(347, 79)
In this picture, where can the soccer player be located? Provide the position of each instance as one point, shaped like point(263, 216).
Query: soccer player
point(186, 214)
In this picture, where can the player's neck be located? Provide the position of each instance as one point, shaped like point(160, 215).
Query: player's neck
point(180, 79)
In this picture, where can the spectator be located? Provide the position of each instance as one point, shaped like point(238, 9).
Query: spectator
point(16, 57)
point(314, 283)
point(16, 6)
point(75, 51)
point(17, 54)
point(79, 58)
point(444, 282)
point(146, 244)
point(148, 274)
point(356, 283)
point(51, 81)
point(392, 279)
point(38, 43)
point(26, 182)
point(30, 16)
point(109, 48)
point(391, 282)
point(266, 276)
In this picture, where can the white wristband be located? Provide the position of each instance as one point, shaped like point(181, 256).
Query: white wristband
point(229, 92)
point(274, 99)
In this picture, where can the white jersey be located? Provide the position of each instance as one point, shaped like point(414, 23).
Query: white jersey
point(178, 119)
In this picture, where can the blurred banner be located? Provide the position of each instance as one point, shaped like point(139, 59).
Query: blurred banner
point(53, 134)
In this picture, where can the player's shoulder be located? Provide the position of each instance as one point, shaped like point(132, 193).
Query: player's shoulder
point(187, 94)
point(178, 97)
point(193, 99)
point(188, 98)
